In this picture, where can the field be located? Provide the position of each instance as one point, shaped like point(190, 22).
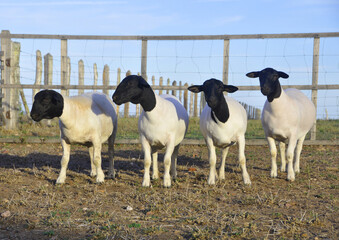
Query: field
point(33, 207)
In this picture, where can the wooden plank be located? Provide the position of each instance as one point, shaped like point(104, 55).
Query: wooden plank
point(144, 59)
point(63, 64)
point(226, 62)
point(38, 72)
point(315, 70)
point(81, 74)
point(173, 37)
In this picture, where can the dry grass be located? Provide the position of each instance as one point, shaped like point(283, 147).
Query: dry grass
point(190, 209)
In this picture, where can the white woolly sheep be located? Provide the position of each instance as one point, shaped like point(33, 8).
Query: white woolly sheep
point(223, 122)
point(162, 123)
point(89, 119)
point(287, 116)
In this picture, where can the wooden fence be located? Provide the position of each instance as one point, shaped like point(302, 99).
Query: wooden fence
point(191, 101)
point(11, 87)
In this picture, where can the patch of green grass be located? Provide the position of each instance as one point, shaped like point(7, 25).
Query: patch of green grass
point(128, 129)
point(134, 225)
point(49, 233)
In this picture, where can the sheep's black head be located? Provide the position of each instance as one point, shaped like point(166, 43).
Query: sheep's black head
point(47, 104)
point(269, 82)
point(213, 90)
point(136, 90)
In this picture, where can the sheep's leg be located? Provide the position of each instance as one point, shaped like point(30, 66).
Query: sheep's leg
point(290, 154)
point(111, 171)
point(174, 162)
point(155, 174)
point(242, 160)
point(297, 154)
point(283, 156)
point(222, 166)
point(91, 156)
point(167, 164)
point(147, 161)
point(64, 161)
point(212, 158)
point(97, 162)
point(273, 151)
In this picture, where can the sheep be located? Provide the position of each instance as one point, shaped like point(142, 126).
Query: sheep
point(89, 119)
point(162, 123)
point(223, 122)
point(287, 116)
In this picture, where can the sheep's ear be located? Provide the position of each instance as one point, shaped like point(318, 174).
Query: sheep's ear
point(283, 75)
point(143, 83)
point(195, 88)
point(230, 88)
point(253, 74)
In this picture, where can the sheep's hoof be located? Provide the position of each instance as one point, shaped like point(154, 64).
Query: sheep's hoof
point(274, 174)
point(283, 169)
point(155, 176)
point(146, 182)
point(247, 182)
point(167, 185)
point(291, 178)
point(111, 175)
point(100, 179)
point(211, 181)
point(60, 181)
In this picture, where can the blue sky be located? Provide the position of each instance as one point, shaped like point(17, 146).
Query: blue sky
point(190, 61)
point(175, 17)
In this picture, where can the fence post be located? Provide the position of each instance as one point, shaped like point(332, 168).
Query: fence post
point(63, 65)
point(315, 70)
point(48, 69)
point(48, 76)
point(81, 74)
point(118, 82)
point(186, 96)
point(174, 92)
point(144, 59)
point(105, 79)
point(191, 103)
point(38, 72)
point(15, 79)
point(15, 74)
point(202, 102)
point(180, 95)
point(6, 75)
point(168, 84)
point(68, 74)
point(226, 62)
point(126, 109)
point(195, 111)
point(95, 73)
point(160, 84)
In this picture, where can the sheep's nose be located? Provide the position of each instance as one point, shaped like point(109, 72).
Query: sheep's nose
point(265, 90)
point(115, 97)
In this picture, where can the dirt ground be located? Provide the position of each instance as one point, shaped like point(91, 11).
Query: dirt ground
point(33, 207)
